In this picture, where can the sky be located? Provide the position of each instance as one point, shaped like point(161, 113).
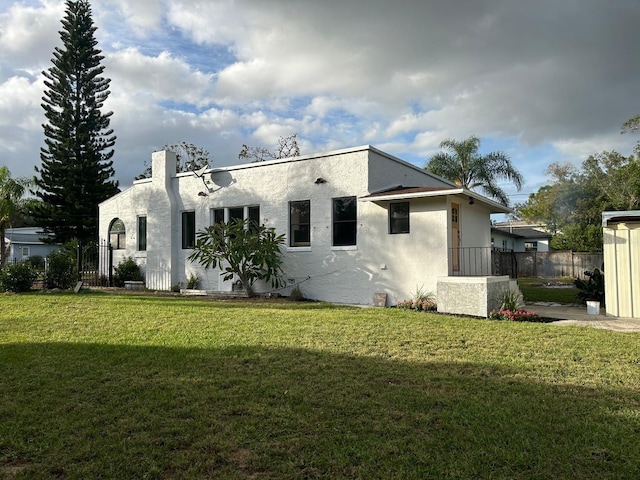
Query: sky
point(543, 81)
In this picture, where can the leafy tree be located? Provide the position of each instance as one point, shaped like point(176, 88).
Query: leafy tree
point(571, 206)
point(287, 147)
point(11, 202)
point(632, 125)
point(553, 204)
point(466, 167)
point(241, 248)
point(76, 171)
point(188, 158)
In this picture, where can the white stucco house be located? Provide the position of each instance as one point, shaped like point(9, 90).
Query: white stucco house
point(358, 222)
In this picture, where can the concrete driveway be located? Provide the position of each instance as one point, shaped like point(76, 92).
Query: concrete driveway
point(577, 315)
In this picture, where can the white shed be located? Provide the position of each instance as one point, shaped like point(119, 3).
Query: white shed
point(621, 237)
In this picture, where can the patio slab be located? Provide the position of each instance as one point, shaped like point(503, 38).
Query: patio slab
point(577, 315)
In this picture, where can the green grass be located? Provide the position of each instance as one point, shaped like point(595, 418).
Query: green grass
point(124, 386)
point(537, 290)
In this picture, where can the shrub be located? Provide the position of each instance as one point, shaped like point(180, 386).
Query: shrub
point(126, 270)
point(509, 300)
point(18, 277)
point(61, 270)
point(514, 315)
point(421, 301)
point(37, 262)
point(193, 282)
point(297, 295)
point(593, 288)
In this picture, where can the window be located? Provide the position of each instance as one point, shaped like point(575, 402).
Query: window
point(25, 252)
point(253, 214)
point(117, 236)
point(300, 223)
point(530, 246)
point(236, 213)
point(142, 233)
point(399, 217)
point(344, 221)
point(217, 216)
point(188, 230)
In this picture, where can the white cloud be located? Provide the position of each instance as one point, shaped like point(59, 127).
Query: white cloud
point(401, 75)
point(163, 77)
point(28, 34)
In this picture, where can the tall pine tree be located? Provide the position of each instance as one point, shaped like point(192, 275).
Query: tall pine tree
point(76, 171)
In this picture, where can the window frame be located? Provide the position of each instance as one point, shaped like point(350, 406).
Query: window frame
point(531, 246)
point(292, 230)
point(142, 233)
point(338, 224)
point(188, 229)
point(120, 235)
point(397, 225)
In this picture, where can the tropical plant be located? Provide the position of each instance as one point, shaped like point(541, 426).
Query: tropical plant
point(242, 249)
point(76, 171)
point(465, 166)
point(12, 191)
point(592, 288)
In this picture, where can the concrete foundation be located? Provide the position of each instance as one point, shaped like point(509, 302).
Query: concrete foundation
point(475, 296)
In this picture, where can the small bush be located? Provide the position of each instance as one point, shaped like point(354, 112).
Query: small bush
point(509, 300)
point(514, 315)
point(421, 301)
point(17, 278)
point(126, 270)
point(193, 282)
point(297, 295)
point(61, 272)
point(593, 288)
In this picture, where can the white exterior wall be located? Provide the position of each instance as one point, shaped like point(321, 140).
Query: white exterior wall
point(393, 264)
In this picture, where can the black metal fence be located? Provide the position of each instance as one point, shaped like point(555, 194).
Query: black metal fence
point(476, 261)
point(482, 261)
point(95, 264)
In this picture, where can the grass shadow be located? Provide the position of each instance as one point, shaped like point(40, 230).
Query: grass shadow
point(89, 410)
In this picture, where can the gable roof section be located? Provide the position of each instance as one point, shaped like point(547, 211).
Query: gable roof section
point(406, 193)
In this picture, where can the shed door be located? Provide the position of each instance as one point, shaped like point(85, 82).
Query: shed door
point(455, 236)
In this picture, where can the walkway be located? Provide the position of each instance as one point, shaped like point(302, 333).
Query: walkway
point(576, 315)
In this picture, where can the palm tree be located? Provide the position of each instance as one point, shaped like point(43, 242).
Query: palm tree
point(467, 168)
point(11, 192)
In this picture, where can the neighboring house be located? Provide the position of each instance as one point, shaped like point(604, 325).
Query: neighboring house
point(357, 222)
point(520, 236)
point(25, 242)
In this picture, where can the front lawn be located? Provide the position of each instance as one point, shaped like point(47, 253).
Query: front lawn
point(127, 386)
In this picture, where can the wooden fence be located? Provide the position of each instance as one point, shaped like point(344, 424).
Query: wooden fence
point(555, 263)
